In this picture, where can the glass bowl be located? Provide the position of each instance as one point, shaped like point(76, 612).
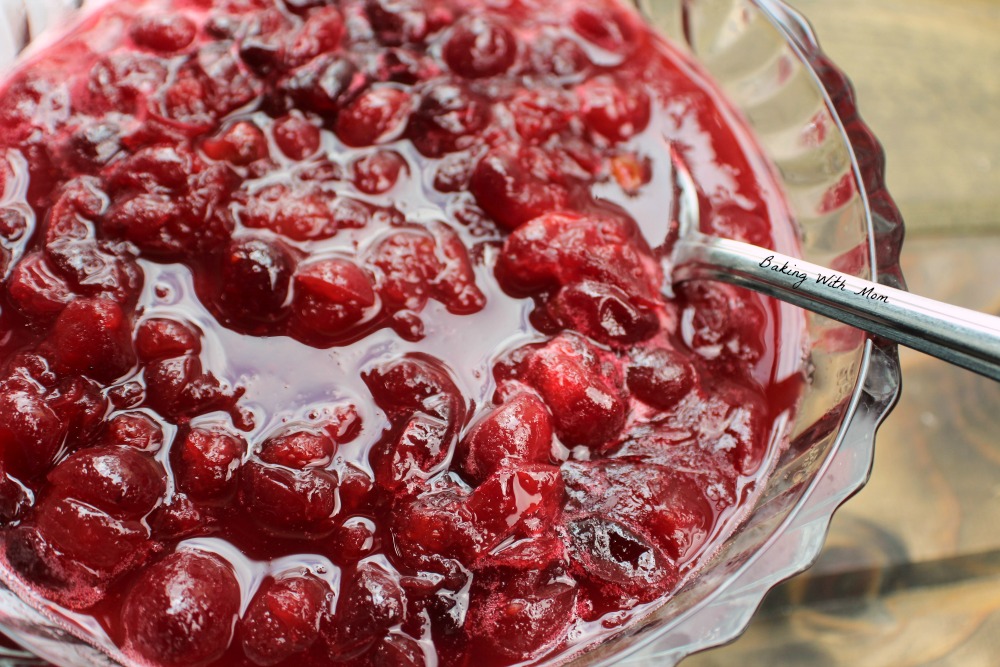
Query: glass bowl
point(801, 108)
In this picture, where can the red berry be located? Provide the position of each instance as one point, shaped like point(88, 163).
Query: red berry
point(35, 288)
point(288, 502)
point(298, 449)
point(181, 518)
point(353, 540)
point(324, 84)
point(180, 611)
point(399, 650)
point(118, 480)
point(255, 278)
point(321, 33)
point(31, 433)
point(518, 431)
point(582, 387)
point(523, 619)
point(372, 602)
point(722, 322)
point(93, 337)
point(240, 144)
point(408, 261)
point(134, 429)
point(608, 27)
point(605, 313)
point(479, 47)
point(283, 618)
point(331, 296)
point(660, 377)
point(376, 116)
point(161, 32)
point(296, 136)
point(377, 172)
point(206, 462)
point(614, 110)
point(439, 523)
point(405, 21)
point(516, 187)
point(15, 499)
point(521, 502)
point(161, 338)
point(447, 120)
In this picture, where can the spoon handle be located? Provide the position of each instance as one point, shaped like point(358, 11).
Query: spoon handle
point(957, 335)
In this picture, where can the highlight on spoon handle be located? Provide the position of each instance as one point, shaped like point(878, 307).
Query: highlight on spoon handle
point(960, 336)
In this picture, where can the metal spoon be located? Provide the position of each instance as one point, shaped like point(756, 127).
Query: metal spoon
point(957, 335)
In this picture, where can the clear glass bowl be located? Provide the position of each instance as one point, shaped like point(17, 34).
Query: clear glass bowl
point(766, 60)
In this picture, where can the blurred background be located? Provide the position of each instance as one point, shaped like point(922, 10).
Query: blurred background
point(910, 574)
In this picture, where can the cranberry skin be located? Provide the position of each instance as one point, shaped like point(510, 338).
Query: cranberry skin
point(448, 119)
point(283, 618)
point(521, 502)
point(604, 313)
point(178, 388)
point(180, 611)
point(331, 296)
point(372, 603)
point(582, 388)
point(378, 172)
point(660, 377)
point(355, 539)
point(479, 47)
point(376, 116)
point(241, 144)
point(118, 480)
point(321, 33)
point(506, 184)
point(161, 338)
point(397, 22)
point(206, 462)
point(31, 433)
point(81, 405)
point(36, 289)
point(164, 33)
point(15, 499)
point(92, 538)
point(518, 431)
point(255, 276)
point(722, 322)
point(439, 523)
point(522, 621)
point(93, 337)
point(135, 430)
point(289, 503)
point(182, 518)
point(324, 84)
point(409, 262)
point(296, 137)
point(299, 450)
point(613, 110)
point(623, 563)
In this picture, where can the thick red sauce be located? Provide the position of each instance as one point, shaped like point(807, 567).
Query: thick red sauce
point(330, 332)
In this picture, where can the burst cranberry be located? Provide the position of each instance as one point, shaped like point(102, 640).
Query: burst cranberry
point(321, 33)
point(160, 338)
point(439, 523)
point(515, 187)
point(179, 388)
point(447, 119)
point(521, 501)
point(522, 621)
point(613, 112)
point(298, 449)
point(722, 322)
point(36, 289)
point(518, 431)
point(378, 172)
point(32, 432)
point(353, 540)
point(377, 115)
point(409, 261)
point(181, 518)
point(94, 337)
point(372, 603)
point(289, 502)
point(15, 499)
point(283, 618)
point(180, 611)
point(206, 462)
point(607, 27)
point(324, 84)
point(296, 137)
point(118, 480)
point(660, 377)
point(399, 650)
point(164, 33)
point(81, 406)
point(582, 388)
point(241, 144)
point(604, 312)
point(255, 277)
point(405, 21)
point(332, 295)
point(135, 430)
point(479, 47)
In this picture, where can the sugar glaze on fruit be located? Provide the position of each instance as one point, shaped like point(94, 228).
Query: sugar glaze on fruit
point(331, 332)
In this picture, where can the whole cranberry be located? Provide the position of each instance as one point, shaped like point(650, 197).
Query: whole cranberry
point(180, 611)
point(162, 32)
point(296, 136)
point(161, 338)
point(604, 313)
point(206, 462)
point(372, 602)
point(93, 337)
point(240, 144)
point(283, 618)
point(508, 186)
point(660, 377)
point(524, 620)
point(134, 429)
point(478, 47)
point(255, 278)
point(291, 503)
point(448, 119)
point(378, 172)
point(298, 449)
point(377, 115)
point(613, 109)
point(119, 480)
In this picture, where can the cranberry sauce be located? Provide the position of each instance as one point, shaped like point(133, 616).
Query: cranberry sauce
point(331, 331)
